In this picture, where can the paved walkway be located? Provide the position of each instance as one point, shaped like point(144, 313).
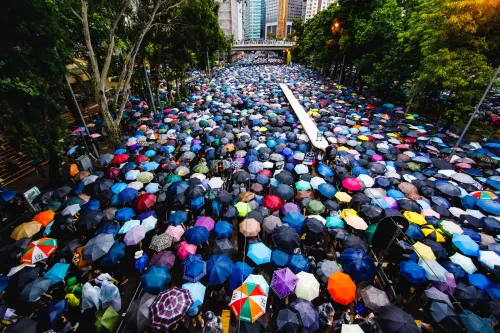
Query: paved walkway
point(307, 123)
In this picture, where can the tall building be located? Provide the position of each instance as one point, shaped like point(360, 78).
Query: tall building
point(279, 16)
point(254, 13)
point(315, 6)
point(228, 17)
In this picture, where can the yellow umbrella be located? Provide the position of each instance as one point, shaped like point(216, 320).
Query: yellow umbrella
point(348, 212)
point(424, 251)
point(343, 197)
point(145, 177)
point(243, 208)
point(433, 233)
point(410, 117)
point(392, 135)
point(343, 148)
point(363, 138)
point(415, 217)
point(262, 129)
point(26, 230)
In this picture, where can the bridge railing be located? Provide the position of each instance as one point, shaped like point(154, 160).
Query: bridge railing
point(263, 42)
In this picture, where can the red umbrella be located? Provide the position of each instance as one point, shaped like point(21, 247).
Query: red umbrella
point(141, 158)
point(113, 173)
point(265, 172)
point(410, 140)
point(351, 184)
point(120, 158)
point(273, 202)
point(145, 201)
point(370, 107)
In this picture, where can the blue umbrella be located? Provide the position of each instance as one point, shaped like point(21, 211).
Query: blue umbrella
point(6, 196)
point(196, 235)
point(395, 194)
point(457, 271)
point(334, 221)
point(465, 244)
point(152, 188)
point(475, 324)
point(177, 188)
point(493, 183)
point(294, 220)
point(489, 206)
point(178, 217)
point(149, 166)
point(128, 194)
point(259, 253)
point(325, 171)
point(412, 271)
point(194, 268)
point(414, 232)
point(118, 187)
point(219, 268)
point(279, 258)
point(359, 265)
point(150, 153)
point(90, 205)
point(57, 273)
point(239, 273)
point(197, 292)
point(479, 281)
point(4, 283)
point(327, 190)
point(223, 229)
point(197, 203)
point(128, 225)
point(298, 263)
point(108, 229)
point(124, 214)
point(469, 202)
point(155, 279)
point(147, 214)
point(50, 314)
point(116, 252)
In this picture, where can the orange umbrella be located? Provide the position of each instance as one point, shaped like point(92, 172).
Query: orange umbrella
point(73, 170)
point(78, 259)
point(342, 288)
point(44, 217)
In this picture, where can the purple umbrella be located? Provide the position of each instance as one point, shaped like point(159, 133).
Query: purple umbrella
point(309, 316)
point(166, 258)
point(239, 159)
point(135, 235)
point(449, 286)
point(289, 207)
point(205, 221)
point(283, 282)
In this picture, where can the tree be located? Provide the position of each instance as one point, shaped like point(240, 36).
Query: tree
point(123, 21)
point(32, 87)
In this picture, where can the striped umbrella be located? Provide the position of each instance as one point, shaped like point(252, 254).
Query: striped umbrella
point(39, 250)
point(169, 307)
point(248, 302)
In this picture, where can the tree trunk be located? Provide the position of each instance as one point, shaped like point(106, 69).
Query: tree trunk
point(54, 173)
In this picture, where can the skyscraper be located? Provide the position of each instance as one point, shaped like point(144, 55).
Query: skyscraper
point(228, 17)
point(315, 6)
point(254, 13)
point(279, 16)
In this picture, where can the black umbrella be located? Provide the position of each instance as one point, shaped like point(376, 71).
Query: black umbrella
point(102, 184)
point(61, 192)
point(223, 246)
point(371, 211)
point(138, 315)
point(355, 242)
point(224, 197)
point(284, 177)
point(286, 238)
point(438, 249)
point(358, 200)
point(25, 325)
point(288, 321)
point(13, 249)
point(255, 214)
point(386, 230)
point(195, 192)
point(241, 176)
point(448, 189)
point(34, 289)
point(70, 248)
point(285, 192)
point(90, 219)
point(105, 159)
point(217, 133)
point(314, 228)
point(444, 315)
point(97, 247)
point(392, 319)
point(246, 327)
point(409, 204)
point(23, 277)
point(469, 295)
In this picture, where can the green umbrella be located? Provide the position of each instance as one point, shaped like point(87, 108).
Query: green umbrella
point(243, 208)
point(201, 168)
point(106, 320)
point(55, 205)
point(173, 178)
point(73, 201)
point(370, 231)
point(315, 207)
point(210, 194)
point(413, 166)
point(145, 177)
point(203, 123)
point(302, 185)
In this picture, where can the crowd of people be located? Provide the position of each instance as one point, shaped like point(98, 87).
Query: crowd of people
point(222, 202)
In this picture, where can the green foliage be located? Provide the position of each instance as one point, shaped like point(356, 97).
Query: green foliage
point(32, 86)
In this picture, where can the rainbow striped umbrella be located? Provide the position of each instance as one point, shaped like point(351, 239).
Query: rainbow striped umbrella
point(248, 302)
point(39, 250)
point(484, 195)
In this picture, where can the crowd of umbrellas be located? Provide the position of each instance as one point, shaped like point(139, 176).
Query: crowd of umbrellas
point(227, 189)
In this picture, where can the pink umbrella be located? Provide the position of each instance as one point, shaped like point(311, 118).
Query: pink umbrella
point(135, 235)
point(464, 165)
point(185, 249)
point(449, 286)
point(391, 202)
point(377, 158)
point(402, 146)
point(430, 212)
point(205, 221)
point(175, 232)
point(289, 207)
point(351, 184)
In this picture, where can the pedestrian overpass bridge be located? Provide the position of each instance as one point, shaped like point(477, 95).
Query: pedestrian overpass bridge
point(262, 45)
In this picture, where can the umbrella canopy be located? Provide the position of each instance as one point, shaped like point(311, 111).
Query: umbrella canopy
point(248, 302)
point(219, 268)
point(138, 314)
point(155, 279)
point(392, 319)
point(98, 247)
point(259, 253)
point(308, 315)
point(283, 282)
point(169, 307)
point(39, 250)
point(374, 298)
point(194, 268)
point(34, 289)
point(307, 286)
point(342, 288)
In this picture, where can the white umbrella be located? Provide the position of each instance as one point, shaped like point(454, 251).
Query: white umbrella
point(307, 287)
point(215, 182)
point(71, 210)
point(366, 180)
point(316, 182)
point(268, 165)
point(149, 223)
point(451, 227)
point(259, 280)
point(90, 297)
point(455, 211)
point(475, 213)
point(486, 239)
point(136, 185)
point(433, 270)
point(464, 262)
point(463, 178)
point(89, 180)
point(489, 258)
point(200, 176)
point(351, 328)
point(448, 173)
